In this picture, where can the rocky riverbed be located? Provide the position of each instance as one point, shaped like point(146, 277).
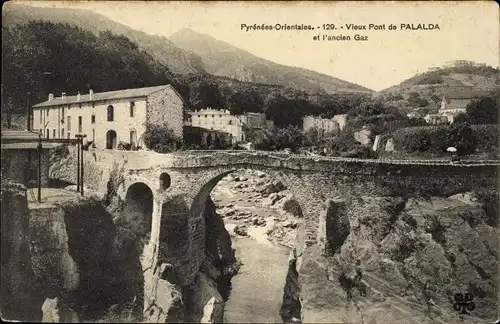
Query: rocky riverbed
point(254, 205)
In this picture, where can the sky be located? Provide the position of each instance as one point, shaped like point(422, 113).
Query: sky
point(467, 31)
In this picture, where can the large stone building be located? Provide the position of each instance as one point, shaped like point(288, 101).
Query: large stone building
point(108, 118)
point(323, 125)
point(237, 126)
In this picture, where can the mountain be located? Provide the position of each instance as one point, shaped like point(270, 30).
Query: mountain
point(425, 91)
point(161, 48)
point(223, 59)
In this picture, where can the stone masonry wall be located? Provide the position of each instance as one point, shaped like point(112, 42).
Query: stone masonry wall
point(166, 107)
point(311, 180)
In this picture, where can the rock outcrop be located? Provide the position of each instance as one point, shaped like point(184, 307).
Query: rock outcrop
point(21, 299)
point(403, 261)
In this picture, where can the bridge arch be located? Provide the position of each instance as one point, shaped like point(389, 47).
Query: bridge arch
point(200, 199)
point(137, 209)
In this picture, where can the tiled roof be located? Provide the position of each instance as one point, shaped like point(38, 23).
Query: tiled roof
point(9, 134)
point(98, 96)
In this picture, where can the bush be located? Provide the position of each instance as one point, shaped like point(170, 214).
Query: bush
point(290, 137)
point(124, 146)
point(436, 139)
point(160, 138)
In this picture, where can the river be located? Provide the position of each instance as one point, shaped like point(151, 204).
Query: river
point(257, 290)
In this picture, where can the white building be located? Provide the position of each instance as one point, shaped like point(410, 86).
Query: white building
point(323, 125)
point(454, 107)
point(108, 118)
point(222, 120)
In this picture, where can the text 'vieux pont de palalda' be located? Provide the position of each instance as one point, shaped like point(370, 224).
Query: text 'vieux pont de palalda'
point(330, 28)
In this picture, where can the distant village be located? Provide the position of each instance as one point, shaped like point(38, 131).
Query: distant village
point(109, 118)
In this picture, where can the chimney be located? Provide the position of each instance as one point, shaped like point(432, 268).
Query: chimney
point(63, 95)
point(78, 96)
point(51, 96)
point(91, 92)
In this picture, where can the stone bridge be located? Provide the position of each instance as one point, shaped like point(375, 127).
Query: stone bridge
point(170, 190)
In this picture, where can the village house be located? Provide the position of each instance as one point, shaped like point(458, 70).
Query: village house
point(323, 125)
point(108, 118)
point(237, 126)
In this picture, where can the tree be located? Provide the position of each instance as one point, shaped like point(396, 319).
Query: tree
point(311, 136)
point(160, 138)
point(483, 110)
point(460, 136)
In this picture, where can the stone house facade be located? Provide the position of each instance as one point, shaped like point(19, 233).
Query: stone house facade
point(108, 118)
point(323, 125)
point(237, 126)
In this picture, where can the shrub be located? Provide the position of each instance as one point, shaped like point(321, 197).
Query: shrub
point(436, 139)
point(160, 138)
point(124, 146)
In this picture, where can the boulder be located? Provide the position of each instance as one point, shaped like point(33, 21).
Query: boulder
point(207, 304)
point(363, 136)
point(56, 312)
point(389, 146)
point(241, 230)
point(231, 229)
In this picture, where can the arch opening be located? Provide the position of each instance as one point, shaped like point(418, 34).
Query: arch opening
point(164, 181)
point(262, 218)
point(137, 210)
point(110, 139)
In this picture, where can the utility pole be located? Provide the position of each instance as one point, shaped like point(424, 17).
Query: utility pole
point(80, 138)
point(29, 110)
point(39, 167)
point(77, 163)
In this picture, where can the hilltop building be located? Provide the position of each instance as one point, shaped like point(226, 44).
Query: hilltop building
point(324, 125)
point(454, 107)
point(222, 121)
point(451, 106)
point(108, 118)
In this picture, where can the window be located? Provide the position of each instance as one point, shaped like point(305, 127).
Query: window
point(41, 116)
point(93, 135)
point(132, 106)
point(62, 133)
point(69, 135)
point(80, 124)
point(79, 105)
point(230, 122)
point(53, 133)
point(93, 105)
point(62, 113)
point(69, 123)
point(48, 111)
point(92, 119)
point(132, 137)
point(111, 113)
point(48, 133)
point(213, 116)
point(220, 116)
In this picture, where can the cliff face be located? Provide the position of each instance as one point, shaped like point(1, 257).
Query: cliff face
point(206, 297)
point(21, 300)
point(404, 260)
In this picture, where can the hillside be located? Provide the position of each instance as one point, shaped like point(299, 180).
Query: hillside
point(161, 48)
point(223, 59)
point(427, 89)
point(110, 62)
